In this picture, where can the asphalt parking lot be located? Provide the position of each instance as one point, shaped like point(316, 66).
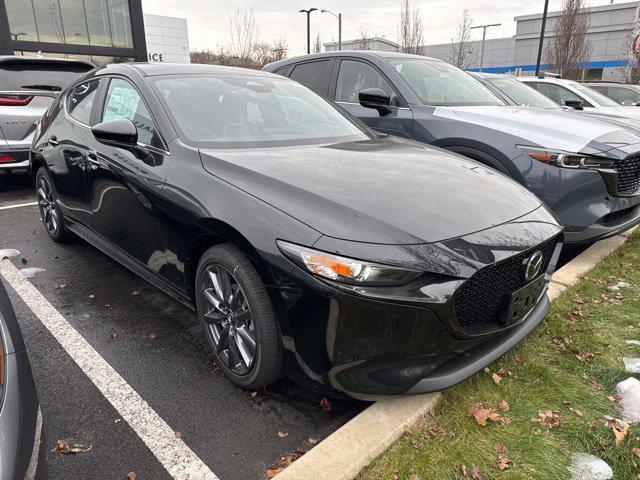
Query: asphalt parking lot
point(156, 346)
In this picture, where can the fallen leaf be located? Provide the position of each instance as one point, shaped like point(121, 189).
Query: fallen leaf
point(177, 434)
point(475, 474)
point(131, 476)
point(618, 427)
point(24, 260)
point(135, 292)
point(64, 447)
point(504, 406)
point(153, 336)
point(615, 398)
point(282, 434)
point(324, 404)
point(482, 414)
point(503, 462)
point(92, 296)
point(576, 411)
point(414, 476)
point(254, 393)
point(283, 463)
point(114, 335)
point(636, 451)
point(62, 285)
point(547, 418)
point(500, 448)
point(312, 440)
point(517, 357)
point(496, 378)
point(463, 470)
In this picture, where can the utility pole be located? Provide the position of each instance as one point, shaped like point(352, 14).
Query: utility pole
point(544, 25)
point(339, 17)
point(308, 12)
point(484, 36)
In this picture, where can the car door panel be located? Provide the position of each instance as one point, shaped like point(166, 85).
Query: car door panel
point(124, 186)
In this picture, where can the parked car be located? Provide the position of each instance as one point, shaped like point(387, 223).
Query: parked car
point(20, 417)
point(621, 93)
point(579, 96)
point(587, 171)
point(360, 262)
point(514, 92)
point(28, 85)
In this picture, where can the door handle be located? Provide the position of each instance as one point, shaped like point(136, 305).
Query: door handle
point(53, 141)
point(92, 160)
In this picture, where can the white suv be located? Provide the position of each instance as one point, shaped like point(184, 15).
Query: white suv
point(570, 93)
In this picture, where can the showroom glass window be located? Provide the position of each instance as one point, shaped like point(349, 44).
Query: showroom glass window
point(82, 22)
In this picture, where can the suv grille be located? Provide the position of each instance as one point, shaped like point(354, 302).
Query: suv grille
point(628, 175)
point(480, 300)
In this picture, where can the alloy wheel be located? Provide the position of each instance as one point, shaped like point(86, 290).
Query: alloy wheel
point(229, 320)
point(48, 207)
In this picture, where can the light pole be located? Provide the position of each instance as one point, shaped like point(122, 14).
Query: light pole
point(484, 35)
point(544, 24)
point(339, 17)
point(308, 12)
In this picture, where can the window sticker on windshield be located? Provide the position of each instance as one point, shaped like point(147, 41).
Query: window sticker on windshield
point(123, 103)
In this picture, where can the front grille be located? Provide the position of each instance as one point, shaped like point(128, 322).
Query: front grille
point(480, 300)
point(628, 175)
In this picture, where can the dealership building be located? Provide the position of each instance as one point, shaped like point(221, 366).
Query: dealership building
point(610, 28)
point(101, 31)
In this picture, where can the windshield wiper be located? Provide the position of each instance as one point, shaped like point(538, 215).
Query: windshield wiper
point(52, 88)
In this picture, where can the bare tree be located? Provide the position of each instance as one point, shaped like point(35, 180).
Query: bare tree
point(265, 52)
point(568, 51)
point(411, 37)
point(364, 42)
point(630, 73)
point(244, 32)
point(317, 46)
point(461, 52)
point(203, 56)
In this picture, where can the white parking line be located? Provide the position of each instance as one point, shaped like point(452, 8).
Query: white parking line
point(18, 205)
point(174, 455)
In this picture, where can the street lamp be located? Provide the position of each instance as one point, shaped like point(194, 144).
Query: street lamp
point(484, 35)
point(541, 42)
point(308, 12)
point(339, 17)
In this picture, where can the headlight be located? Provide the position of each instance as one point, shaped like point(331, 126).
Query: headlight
point(346, 270)
point(563, 159)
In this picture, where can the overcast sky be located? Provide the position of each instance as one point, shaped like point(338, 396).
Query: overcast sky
point(208, 20)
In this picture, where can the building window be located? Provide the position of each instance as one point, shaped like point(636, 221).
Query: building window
point(84, 22)
point(97, 60)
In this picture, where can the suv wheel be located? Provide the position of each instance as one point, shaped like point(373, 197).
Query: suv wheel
point(237, 317)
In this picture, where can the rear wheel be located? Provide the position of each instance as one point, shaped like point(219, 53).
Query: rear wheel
point(49, 210)
point(237, 317)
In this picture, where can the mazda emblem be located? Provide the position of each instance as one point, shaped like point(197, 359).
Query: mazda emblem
point(533, 266)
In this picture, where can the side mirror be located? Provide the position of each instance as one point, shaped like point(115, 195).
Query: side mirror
point(121, 133)
point(375, 98)
point(574, 103)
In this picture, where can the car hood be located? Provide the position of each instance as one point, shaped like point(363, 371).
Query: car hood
point(547, 128)
point(623, 111)
point(378, 191)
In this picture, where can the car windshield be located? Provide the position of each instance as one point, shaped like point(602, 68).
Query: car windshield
point(594, 96)
point(234, 111)
point(440, 84)
point(522, 94)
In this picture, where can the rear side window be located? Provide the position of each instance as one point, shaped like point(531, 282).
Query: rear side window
point(315, 75)
point(124, 101)
point(80, 101)
point(559, 94)
point(39, 75)
point(624, 96)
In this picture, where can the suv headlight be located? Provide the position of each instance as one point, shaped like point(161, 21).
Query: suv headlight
point(346, 270)
point(564, 159)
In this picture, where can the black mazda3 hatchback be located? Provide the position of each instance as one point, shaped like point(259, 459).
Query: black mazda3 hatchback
point(307, 243)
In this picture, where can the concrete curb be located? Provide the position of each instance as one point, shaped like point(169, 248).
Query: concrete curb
point(344, 453)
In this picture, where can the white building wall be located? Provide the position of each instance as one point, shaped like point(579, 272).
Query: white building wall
point(167, 39)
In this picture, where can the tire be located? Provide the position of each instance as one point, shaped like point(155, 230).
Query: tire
point(243, 311)
point(50, 213)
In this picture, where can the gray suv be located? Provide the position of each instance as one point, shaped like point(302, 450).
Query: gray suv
point(28, 86)
point(587, 171)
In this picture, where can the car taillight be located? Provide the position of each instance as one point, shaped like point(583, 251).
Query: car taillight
point(6, 158)
point(15, 100)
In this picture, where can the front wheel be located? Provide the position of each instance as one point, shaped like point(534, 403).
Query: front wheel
point(238, 318)
point(48, 205)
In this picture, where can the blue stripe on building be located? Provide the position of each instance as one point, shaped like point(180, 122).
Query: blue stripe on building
point(532, 68)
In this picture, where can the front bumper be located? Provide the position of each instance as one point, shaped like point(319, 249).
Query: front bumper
point(608, 226)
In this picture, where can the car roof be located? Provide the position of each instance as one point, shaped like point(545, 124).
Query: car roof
point(30, 60)
point(560, 81)
point(367, 54)
point(490, 75)
point(154, 69)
